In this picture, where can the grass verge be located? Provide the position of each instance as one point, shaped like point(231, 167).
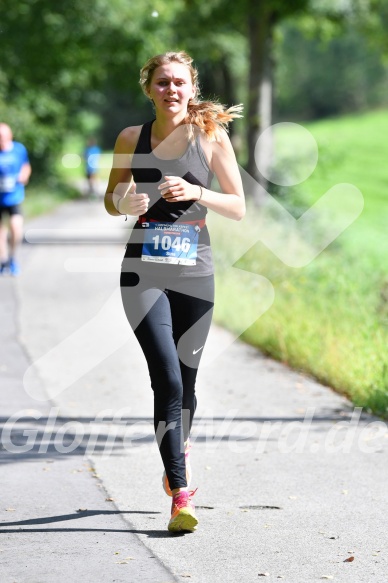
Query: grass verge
point(329, 318)
point(41, 199)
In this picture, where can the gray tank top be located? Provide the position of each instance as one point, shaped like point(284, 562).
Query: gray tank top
point(148, 172)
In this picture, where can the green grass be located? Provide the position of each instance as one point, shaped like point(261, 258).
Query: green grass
point(330, 317)
point(42, 199)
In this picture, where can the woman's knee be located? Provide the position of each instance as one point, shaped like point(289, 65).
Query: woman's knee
point(166, 383)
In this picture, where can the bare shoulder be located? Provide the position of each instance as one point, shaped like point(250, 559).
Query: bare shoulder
point(222, 150)
point(218, 149)
point(223, 140)
point(127, 140)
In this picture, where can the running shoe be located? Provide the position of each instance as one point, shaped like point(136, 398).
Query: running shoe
point(183, 512)
point(166, 485)
point(13, 266)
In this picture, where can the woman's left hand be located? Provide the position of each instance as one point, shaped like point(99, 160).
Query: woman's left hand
point(176, 189)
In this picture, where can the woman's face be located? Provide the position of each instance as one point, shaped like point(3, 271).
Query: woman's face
point(171, 88)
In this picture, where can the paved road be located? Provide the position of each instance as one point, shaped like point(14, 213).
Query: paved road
point(291, 480)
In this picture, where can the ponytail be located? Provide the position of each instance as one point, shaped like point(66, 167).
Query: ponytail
point(211, 117)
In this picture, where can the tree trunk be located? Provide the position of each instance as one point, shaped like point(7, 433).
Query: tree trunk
point(264, 151)
point(260, 93)
point(229, 94)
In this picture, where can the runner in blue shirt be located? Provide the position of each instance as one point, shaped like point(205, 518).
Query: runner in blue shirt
point(15, 171)
point(91, 155)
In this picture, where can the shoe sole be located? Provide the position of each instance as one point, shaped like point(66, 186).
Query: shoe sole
point(184, 521)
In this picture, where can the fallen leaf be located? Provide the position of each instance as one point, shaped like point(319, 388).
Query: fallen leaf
point(349, 560)
point(121, 562)
point(345, 492)
point(109, 500)
point(334, 537)
point(82, 510)
point(263, 574)
point(117, 553)
point(10, 510)
point(327, 577)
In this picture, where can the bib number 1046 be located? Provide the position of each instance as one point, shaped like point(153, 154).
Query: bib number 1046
point(170, 243)
point(166, 242)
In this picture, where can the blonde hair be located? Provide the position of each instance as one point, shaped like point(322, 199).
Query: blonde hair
point(209, 116)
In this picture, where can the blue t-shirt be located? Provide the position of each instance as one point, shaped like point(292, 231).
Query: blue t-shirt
point(11, 163)
point(92, 154)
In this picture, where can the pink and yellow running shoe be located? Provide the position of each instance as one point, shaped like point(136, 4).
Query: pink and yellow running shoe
point(183, 512)
point(166, 485)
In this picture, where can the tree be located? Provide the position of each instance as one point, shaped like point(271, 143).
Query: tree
point(47, 67)
point(326, 75)
point(255, 20)
point(59, 58)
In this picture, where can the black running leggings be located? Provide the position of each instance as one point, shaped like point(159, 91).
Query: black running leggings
point(171, 320)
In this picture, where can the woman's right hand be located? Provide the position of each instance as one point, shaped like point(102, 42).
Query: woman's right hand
point(133, 203)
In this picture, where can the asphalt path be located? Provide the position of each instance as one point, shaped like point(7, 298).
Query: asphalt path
point(291, 478)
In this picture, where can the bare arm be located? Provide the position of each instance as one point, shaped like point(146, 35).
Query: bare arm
point(120, 196)
point(25, 173)
point(230, 202)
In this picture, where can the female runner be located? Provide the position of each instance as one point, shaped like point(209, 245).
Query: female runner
point(162, 173)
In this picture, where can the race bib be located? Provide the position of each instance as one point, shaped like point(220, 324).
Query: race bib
point(7, 183)
point(174, 243)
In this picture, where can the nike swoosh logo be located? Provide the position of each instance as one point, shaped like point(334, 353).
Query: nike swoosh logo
point(195, 351)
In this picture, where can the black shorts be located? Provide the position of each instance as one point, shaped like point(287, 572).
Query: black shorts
point(14, 209)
